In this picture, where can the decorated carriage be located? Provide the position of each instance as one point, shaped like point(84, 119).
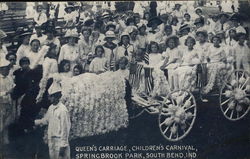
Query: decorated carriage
point(178, 109)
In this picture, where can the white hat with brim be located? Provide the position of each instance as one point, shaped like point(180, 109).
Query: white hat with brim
point(110, 34)
point(71, 33)
point(124, 34)
point(54, 88)
point(2, 34)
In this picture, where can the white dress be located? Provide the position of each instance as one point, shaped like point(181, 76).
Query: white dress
point(186, 73)
point(216, 68)
point(98, 65)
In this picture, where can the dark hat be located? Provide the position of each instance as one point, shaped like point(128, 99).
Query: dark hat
point(129, 20)
point(69, 7)
point(199, 20)
point(89, 22)
point(224, 14)
point(184, 27)
point(204, 32)
point(154, 20)
point(237, 17)
point(50, 30)
point(21, 32)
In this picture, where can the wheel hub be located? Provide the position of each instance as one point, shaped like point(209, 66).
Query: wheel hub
point(239, 94)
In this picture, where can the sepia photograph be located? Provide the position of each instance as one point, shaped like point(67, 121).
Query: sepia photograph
point(125, 79)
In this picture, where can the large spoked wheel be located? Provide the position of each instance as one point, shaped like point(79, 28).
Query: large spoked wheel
point(235, 94)
point(177, 115)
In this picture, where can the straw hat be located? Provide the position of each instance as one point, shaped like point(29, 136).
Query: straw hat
point(110, 24)
point(71, 33)
point(2, 34)
point(110, 34)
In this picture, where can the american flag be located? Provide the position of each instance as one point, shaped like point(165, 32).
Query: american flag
point(149, 83)
point(135, 75)
point(146, 58)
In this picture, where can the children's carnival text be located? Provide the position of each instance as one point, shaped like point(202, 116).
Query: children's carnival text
point(136, 152)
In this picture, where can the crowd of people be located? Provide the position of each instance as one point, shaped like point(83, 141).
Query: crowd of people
point(175, 41)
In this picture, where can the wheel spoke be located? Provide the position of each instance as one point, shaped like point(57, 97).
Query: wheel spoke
point(190, 107)
point(228, 86)
point(226, 101)
point(238, 114)
point(244, 83)
point(231, 116)
point(167, 119)
point(171, 135)
point(226, 111)
point(166, 130)
point(165, 114)
point(237, 77)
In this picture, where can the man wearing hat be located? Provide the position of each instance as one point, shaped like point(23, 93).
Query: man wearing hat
point(58, 120)
point(7, 109)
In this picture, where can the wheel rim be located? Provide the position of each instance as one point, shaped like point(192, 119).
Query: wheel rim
point(177, 115)
point(235, 95)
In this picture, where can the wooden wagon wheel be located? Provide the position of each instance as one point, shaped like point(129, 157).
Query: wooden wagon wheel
point(177, 115)
point(235, 94)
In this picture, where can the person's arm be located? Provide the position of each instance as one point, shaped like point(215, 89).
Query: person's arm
point(91, 67)
point(65, 128)
point(44, 120)
point(61, 54)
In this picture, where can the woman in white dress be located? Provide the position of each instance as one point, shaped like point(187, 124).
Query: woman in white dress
point(70, 51)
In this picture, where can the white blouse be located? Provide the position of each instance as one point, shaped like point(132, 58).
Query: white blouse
point(121, 52)
point(68, 52)
point(98, 64)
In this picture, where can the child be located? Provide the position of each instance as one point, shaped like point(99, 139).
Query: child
point(99, 63)
point(7, 110)
point(125, 48)
point(64, 68)
point(58, 120)
point(87, 62)
point(216, 58)
point(20, 78)
point(241, 53)
point(110, 49)
point(77, 70)
point(171, 57)
point(187, 71)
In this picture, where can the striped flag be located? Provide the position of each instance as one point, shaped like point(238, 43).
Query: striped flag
point(149, 83)
point(146, 57)
point(135, 75)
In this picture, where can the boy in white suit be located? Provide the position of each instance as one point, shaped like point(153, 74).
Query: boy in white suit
point(58, 120)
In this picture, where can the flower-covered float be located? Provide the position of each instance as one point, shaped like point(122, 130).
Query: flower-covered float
point(95, 102)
